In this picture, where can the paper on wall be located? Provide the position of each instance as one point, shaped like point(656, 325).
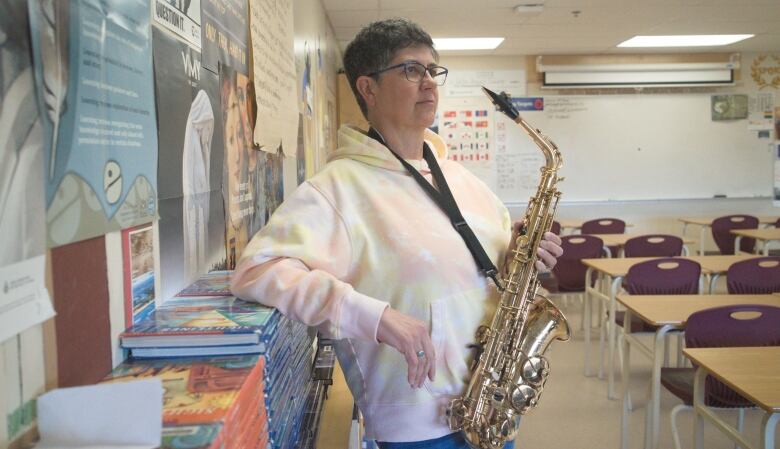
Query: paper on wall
point(271, 25)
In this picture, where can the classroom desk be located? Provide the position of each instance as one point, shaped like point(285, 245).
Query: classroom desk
point(668, 313)
point(705, 222)
point(753, 373)
point(620, 240)
point(614, 270)
point(763, 236)
point(576, 225)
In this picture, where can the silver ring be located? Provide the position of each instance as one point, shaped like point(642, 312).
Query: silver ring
point(420, 354)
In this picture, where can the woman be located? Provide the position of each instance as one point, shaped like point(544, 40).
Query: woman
point(362, 252)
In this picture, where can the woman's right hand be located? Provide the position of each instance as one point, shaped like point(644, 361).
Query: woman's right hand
point(409, 335)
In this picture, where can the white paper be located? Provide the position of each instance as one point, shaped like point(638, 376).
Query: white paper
point(125, 415)
point(273, 55)
point(24, 300)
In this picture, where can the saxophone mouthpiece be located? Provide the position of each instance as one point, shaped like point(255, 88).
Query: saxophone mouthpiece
point(503, 102)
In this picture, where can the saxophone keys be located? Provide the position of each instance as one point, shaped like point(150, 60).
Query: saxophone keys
point(535, 370)
point(523, 398)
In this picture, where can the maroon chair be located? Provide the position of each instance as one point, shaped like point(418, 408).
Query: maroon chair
point(718, 328)
point(653, 245)
point(721, 232)
point(605, 226)
point(569, 271)
point(754, 276)
point(663, 276)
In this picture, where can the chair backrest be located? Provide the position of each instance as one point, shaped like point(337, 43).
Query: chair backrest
point(664, 276)
point(556, 228)
point(569, 271)
point(731, 326)
point(654, 245)
point(725, 239)
point(777, 223)
point(604, 226)
point(754, 276)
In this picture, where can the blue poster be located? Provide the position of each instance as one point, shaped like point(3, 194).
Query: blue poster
point(93, 68)
point(528, 103)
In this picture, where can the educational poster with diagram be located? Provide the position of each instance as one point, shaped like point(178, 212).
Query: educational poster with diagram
point(93, 61)
point(224, 35)
point(192, 217)
point(24, 300)
point(180, 17)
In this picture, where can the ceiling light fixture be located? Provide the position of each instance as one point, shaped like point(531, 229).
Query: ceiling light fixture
point(704, 40)
point(529, 8)
point(467, 43)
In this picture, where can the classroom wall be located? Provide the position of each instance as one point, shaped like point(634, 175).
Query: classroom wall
point(646, 215)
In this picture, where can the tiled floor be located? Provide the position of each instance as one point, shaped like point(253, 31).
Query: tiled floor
point(574, 412)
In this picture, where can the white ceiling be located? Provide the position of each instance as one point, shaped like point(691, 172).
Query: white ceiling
point(597, 29)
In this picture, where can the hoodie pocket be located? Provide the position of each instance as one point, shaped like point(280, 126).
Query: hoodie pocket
point(450, 342)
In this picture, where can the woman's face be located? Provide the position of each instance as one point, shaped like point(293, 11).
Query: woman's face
point(403, 103)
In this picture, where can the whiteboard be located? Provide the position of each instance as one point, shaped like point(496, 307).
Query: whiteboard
point(629, 147)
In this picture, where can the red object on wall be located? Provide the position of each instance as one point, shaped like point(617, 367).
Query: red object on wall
point(82, 322)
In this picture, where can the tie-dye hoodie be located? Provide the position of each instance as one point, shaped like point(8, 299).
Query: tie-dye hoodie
point(361, 235)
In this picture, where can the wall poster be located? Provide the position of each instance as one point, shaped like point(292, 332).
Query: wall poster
point(93, 61)
point(225, 35)
point(180, 17)
point(192, 218)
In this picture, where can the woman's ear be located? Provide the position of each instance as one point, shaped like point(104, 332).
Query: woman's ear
point(366, 87)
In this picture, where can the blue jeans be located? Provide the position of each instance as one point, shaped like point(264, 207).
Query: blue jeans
point(451, 441)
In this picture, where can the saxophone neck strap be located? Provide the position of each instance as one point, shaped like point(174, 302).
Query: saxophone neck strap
point(446, 202)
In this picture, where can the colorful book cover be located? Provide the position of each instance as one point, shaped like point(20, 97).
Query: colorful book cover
point(216, 283)
point(203, 390)
point(139, 272)
point(234, 322)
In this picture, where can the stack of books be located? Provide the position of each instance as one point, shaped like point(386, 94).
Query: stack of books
point(202, 325)
point(208, 402)
point(205, 323)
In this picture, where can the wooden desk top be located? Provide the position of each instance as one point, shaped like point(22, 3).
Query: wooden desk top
point(621, 239)
point(761, 234)
point(719, 264)
point(753, 372)
point(709, 264)
point(616, 266)
point(706, 221)
point(675, 309)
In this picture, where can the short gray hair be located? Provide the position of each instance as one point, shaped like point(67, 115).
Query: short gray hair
point(375, 46)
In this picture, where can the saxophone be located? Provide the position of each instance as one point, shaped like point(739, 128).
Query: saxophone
point(511, 370)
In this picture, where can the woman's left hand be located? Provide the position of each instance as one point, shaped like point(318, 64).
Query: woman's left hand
point(548, 252)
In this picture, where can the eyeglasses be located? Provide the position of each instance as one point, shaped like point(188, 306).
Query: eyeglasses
point(415, 72)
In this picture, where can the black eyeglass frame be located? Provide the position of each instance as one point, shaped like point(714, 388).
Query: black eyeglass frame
point(429, 69)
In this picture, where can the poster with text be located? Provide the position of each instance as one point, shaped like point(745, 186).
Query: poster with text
point(93, 67)
point(273, 57)
point(192, 223)
point(181, 17)
point(225, 35)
